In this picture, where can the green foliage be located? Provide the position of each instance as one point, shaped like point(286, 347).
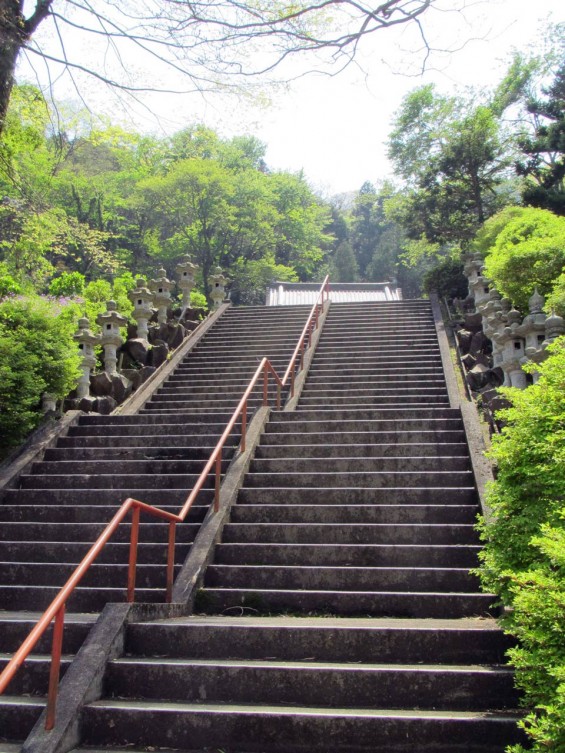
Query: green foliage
point(446, 279)
point(523, 560)
point(9, 286)
point(37, 354)
point(252, 278)
point(67, 284)
point(529, 252)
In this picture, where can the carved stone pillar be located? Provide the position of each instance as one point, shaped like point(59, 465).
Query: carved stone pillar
point(186, 270)
point(110, 338)
point(218, 291)
point(142, 299)
point(161, 288)
point(86, 341)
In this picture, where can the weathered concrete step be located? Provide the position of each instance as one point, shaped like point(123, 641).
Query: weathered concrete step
point(423, 389)
point(351, 450)
point(18, 715)
point(413, 464)
point(478, 641)
point(367, 439)
point(80, 513)
point(175, 405)
point(99, 575)
point(196, 442)
point(324, 684)
point(360, 603)
point(351, 414)
point(398, 355)
point(159, 497)
point(157, 427)
point(357, 555)
point(64, 551)
point(145, 452)
point(363, 401)
point(112, 481)
point(344, 425)
point(121, 467)
point(352, 533)
point(74, 532)
point(358, 495)
point(220, 417)
point(83, 599)
point(16, 626)
point(374, 513)
point(351, 578)
point(432, 378)
point(363, 341)
point(361, 478)
point(181, 392)
point(32, 679)
point(297, 730)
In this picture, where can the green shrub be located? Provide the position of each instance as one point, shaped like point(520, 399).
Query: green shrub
point(37, 355)
point(523, 560)
point(446, 279)
point(67, 284)
point(528, 252)
point(9, 286)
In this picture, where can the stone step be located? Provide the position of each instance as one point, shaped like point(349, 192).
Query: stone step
point(375, 513)
point(324, 684)
point(368, 439)
point(121, 468)
point(175, 498)
point(65, 551)
point(331, 578)
point(351, 533)
point(398, 641)
point(359, 603)
point(83, 599)
point(422, 390)
point(219, 418)
point(356, 555)
point(155, 531)
point(292, 729)
point(334, 426)
point(32, 679)
point(24, 574)
point(358, 495)
point(354, 465)
point(16, 626)
point(141, 453)
point(18, 714)
point(351, 450)
point(200, 442)
point(113, 481)
point(346, 479)
point(158, 427)
point(81, 513)
point(356, 414)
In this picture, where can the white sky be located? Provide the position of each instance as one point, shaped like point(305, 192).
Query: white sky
point(334, 128)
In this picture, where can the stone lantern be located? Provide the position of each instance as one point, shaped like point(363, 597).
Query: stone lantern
point(186, 270)
point(161, 288)
point(554, 327)
point(218, 291)
point(111, 321)
point(86, 341)
point(532, 328)
point(512, 349)
point(142, 299)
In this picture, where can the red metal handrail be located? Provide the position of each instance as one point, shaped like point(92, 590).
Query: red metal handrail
point(305, 338)
point(56, 610)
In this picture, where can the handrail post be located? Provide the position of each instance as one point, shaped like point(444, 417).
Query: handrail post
point(265, 385)
point(56, 651)
point(292, 382)
point(243, 426)
point(133, 553)
point(218, 481)
point(278, 396)
point(171, 560)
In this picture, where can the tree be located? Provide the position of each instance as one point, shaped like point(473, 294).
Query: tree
point(207, 42)
point(453, 160)
point(544, 166)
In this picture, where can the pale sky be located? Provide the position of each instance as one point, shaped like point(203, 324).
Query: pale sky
point(334, 128)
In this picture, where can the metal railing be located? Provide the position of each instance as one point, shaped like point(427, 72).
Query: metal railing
point(56, 610)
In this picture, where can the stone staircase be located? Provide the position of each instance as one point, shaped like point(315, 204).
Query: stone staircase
point(339, 613)
point(64, 502)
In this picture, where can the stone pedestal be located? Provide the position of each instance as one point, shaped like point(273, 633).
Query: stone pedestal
point(110, 322)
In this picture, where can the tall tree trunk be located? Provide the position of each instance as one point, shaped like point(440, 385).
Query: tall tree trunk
point(15, 31)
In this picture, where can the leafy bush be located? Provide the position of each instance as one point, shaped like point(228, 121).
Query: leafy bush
point(523, 560)
point(446, 279)
point(69, 283)
point(37, 355)
point(528, 252)
point(9, 286)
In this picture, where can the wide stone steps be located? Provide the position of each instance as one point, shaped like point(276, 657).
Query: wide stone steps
point(65, 501)
point(282, 495)
point(356, 451)
point(353, 513)
point(349, 464)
